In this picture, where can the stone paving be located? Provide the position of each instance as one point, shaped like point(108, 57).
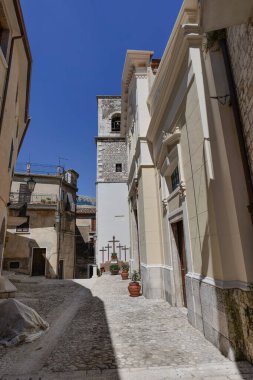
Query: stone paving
point(98, 332)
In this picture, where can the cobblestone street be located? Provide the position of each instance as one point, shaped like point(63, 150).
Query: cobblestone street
point(98, 332)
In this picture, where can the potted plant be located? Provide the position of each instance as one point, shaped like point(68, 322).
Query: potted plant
point(114, 269)
point(124, 271)
point(134, 287)
point(114, 256)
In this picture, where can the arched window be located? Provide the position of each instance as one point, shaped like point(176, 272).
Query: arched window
point(115, 123)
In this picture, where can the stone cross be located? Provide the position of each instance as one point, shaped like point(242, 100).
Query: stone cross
point(108, 249)
point(103, 253)
point(125, 249)
point(119, 246)
point(113, 241)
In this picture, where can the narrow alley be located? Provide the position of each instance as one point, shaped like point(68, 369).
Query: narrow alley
point(98, 332)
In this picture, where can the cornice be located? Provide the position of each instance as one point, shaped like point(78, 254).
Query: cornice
point(186, 37)
point(135, 63)
point(108, 138)
point(169, 141)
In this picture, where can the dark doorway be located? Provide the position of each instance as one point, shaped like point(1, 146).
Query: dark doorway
point(61, 266)
point(39, 262)
point(178, 231)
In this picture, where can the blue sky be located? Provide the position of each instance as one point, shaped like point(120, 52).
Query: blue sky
point(78, 49)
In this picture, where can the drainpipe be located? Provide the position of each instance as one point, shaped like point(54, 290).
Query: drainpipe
point(59, 229)
point(239, 124)
point(7, 78)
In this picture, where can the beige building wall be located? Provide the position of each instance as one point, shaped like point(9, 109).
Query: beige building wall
point(15, 66)
point(51, 224)
point(192, 127)
point(42, 234)
point(143, 182)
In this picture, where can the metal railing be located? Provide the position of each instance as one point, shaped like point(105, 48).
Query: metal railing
point(33, 198)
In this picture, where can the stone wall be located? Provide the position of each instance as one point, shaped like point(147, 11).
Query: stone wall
point(110, 153)
point(107, 107)
point(224, 316)
point(240, 45)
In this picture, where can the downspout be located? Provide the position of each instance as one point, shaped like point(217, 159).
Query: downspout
point(238, 123)
point(7, 78)
point(59, 230)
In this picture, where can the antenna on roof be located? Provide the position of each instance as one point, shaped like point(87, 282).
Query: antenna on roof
point(60, 168)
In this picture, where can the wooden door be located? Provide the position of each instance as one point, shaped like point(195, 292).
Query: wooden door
point(178, 231)
point(39, 262)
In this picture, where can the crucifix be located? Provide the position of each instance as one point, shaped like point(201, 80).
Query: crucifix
point(103, 253)
point(119, 246)
point(125, 249)
point(113, 241)
point(108, 249)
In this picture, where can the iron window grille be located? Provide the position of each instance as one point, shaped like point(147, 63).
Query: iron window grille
point(175, 179)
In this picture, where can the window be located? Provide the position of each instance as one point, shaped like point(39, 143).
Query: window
point(14, 264)
point(11, 154)
point(118, 167)
point(116, 123)
point(175, 179)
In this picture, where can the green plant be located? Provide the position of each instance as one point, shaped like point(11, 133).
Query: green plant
point(125, 268)
point(98, 272)
point(136, 276)
point(114, 267)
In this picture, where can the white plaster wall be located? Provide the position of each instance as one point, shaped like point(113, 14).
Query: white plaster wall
point(40, 188)
point(112, 216)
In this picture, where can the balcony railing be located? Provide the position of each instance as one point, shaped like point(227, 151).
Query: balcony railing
point(46, 199)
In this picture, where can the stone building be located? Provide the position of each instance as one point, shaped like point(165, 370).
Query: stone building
point(40, 238)
point(15, 74)
point(189, 191)
point(111, 184)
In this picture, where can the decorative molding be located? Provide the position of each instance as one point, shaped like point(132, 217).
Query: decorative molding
point(140, 76)
point(169, 140)
point(163, 266)
point(176, 214)
point(190, 29)
point(232, 284)
point(165, 205)
point(182, 190)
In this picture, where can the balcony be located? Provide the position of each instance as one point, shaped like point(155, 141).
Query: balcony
point(33, 199)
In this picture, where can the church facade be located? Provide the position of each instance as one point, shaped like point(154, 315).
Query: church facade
point(189, 189)
point(111, 185)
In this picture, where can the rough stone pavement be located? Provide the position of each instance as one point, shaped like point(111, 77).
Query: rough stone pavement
point(98, 332)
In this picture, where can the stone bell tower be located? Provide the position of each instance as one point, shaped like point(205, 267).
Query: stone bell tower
point(111, 183)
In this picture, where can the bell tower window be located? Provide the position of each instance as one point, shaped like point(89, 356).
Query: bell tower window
point(115, 126)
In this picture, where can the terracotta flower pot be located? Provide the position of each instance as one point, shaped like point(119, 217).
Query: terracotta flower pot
point(134, 289)
point(124, 275)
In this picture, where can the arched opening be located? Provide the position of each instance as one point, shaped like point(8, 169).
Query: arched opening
point(2, 235)
point(115, 123)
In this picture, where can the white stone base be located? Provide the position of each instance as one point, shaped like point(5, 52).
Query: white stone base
point(156, 282)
